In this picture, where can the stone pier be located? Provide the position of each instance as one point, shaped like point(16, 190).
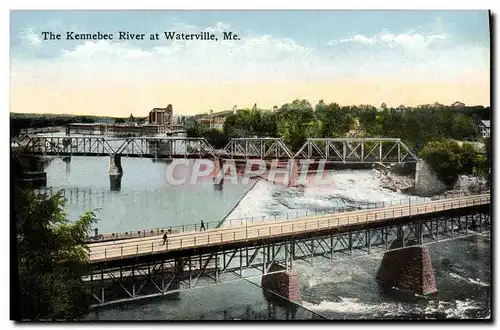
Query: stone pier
point(294, 173)
point(285, 284)
point(408, 269)
point(218, 178)
point(28, 171)
point(115, 172)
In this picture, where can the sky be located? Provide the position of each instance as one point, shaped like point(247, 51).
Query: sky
point(348, 57)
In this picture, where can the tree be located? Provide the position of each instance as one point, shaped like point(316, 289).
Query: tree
point(448, 159)
point(52, 257)
point(487, 147)
point(131, 118)
point(320, 106)
point(337, 121)
point(195, 129)
point(250, 123)
point(216, 138)
point(444, 158)
point(119, 121)
point(294, 122)
point(463, 127)
point(368, 119)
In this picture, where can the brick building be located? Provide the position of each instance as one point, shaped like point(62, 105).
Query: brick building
point(161, 117)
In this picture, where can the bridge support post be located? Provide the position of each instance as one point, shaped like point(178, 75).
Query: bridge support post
point(350, 243)
point(115, 172)
point(409, 270)
point(178, 273)
point(466, 224)
point(480, 222)
point(285, 283)
point(368, 240)
point(419, 233)
point(400, 236)
point(29, 172)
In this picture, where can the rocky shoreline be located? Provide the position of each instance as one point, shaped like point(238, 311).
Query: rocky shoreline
point(465, 185)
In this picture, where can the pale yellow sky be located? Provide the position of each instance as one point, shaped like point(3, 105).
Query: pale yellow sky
point(408, 58)
point(199, 98)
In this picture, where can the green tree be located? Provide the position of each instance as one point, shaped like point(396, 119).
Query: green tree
point(294, 121)
point(469, 158)
point(487, 147)
point(320, 107)
point(448, 159)
point(216, 138)
point(51, 254)
point(444, 158)
point(196, 129)
point(52, 257)
point(463, 127)
point(368, 119)
point(336, 120)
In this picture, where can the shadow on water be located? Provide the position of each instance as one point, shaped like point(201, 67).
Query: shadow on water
point(277, 304)
point(232, 301)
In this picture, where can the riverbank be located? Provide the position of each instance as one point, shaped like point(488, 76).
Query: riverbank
point(466, 185)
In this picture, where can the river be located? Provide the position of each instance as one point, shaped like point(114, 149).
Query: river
point(338, 289)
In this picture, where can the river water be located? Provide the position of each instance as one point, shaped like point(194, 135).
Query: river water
point(339, 289)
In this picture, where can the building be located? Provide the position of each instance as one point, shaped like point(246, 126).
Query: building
point(218, 123)
point(484, 128)
point(161, 116)
point(214, 122)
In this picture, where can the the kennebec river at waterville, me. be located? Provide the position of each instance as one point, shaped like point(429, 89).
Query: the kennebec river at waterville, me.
point(344, 288)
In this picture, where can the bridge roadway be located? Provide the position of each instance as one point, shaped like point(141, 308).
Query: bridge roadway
point(251, 234)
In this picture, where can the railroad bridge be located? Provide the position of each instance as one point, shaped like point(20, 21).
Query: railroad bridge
point(336, 150)
point(137, 268)
point(326, 150)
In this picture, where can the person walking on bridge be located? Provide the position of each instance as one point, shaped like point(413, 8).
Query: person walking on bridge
point(164, 238)
point(202, 226)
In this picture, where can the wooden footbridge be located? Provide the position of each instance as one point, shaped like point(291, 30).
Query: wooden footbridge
point(279, 230)
point(136, 268)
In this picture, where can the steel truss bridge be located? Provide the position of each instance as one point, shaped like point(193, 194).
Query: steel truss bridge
point(332, 150)
point(139, 268)
point(353, 150)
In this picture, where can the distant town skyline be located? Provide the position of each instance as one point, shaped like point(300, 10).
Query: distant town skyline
point(348, 57)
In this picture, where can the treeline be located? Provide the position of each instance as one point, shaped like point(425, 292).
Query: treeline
point(431, 131)
point(19, 121)
point(296, 121)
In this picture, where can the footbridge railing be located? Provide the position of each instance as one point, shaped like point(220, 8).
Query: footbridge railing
point(392, 209)
point(312, 222)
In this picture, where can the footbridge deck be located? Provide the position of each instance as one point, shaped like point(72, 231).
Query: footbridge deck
point(116, 252)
